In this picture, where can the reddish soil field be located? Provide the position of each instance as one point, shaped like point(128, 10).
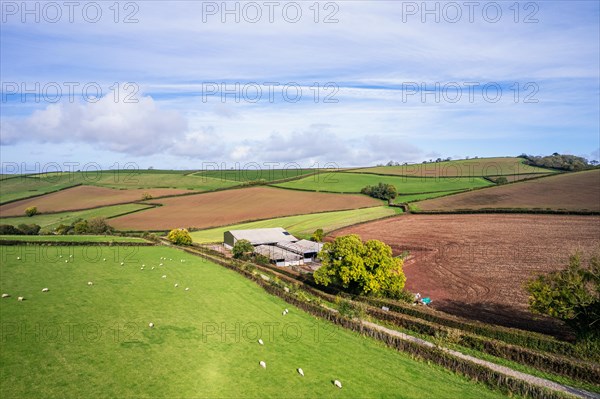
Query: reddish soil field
point(234, 206)
point(475, 265)
point(83, 197)
point(571, 191)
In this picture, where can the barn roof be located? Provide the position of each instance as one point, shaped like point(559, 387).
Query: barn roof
point(276, 253)
point(264, 236)
point(301, 247)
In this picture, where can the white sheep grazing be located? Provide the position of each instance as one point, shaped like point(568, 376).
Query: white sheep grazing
point(263, 364)
point(260, 341)
point(187, 289)
point(301, 372)
point(283, 313)
point(60, 256)
point(44, 289)
point(337, 384)
point(142, 268)
point(5, 295)
point(161, 264)
point(20, 299)
point(90, 283)
point(104, 259)
point(70, 256)
point(164, 276)
point(18, 258)
point(151, 325)
point(176, 285)
point(287, 311)
point(66, 261)
point(122, 263)
point(152, 267)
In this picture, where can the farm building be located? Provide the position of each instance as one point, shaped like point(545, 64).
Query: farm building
point(257, 237)
point(282, 248)
point(280, 256)
point(308, 249)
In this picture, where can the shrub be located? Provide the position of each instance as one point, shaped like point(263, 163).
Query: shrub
point(32, 210)
point(146, 196)
point(501, 180)
point(98, 225)
point(242, 248)
point(180, 237)
point(9, 229)
point(318, 235)
point(29, 229)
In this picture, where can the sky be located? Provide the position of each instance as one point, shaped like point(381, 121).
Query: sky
point(188, 84)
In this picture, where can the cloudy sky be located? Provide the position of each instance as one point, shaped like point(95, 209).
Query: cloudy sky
point(178, 84)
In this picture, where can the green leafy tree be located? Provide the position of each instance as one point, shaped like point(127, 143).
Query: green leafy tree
point(361, 267)
point(242, 248)
point(81, 227)
point(32, 210)
point(180, 237)
point(382, 191)
point(29, 229)
point(501, 180)
point(99, 225)
point(571, 295)
point(318, 235)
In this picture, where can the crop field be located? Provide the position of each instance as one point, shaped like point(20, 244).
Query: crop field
point(69, 238)
point(24, 187)
point(569, 191)
point(236, 206)
point(83, 197)
point(354, 182)
point(53, 220)
point(80, 340)
point(243, 175)
point(301, 226)
point(475, 265)
point(460, 168)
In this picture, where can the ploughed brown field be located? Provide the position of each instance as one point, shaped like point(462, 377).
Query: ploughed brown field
point(569, 191)
point(83, 197)
point(475, 265)
point(234, 206)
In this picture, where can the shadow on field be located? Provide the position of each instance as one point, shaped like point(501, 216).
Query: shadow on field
point(507, 316)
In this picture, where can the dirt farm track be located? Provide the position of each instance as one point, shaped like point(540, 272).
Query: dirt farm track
point(475, 265)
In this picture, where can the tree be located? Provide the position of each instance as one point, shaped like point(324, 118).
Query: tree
point(242, 248)
point(571, 295)
point(32, 210)
point(81, 227)
point(382, 191)
point(98, 225)
point(180, 237)
point(318, 235)
point(29, 229)
point(361, 268)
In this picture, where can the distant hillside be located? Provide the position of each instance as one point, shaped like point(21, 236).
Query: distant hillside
point(568, 191)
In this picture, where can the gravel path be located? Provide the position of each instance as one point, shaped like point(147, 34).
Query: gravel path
point(581, 393)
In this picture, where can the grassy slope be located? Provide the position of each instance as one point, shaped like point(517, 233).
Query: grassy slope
point(22, 187)
point(301, 226)
point(419, 197)
point(53, 220)
point(463, 167)
point(121, 357)
point(82, 238)
point(354, 182)
point(253, 174)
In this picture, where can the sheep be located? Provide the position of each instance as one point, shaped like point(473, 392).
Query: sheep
point(283, 313)
point(187, 289)
point(263, 364)
point(142, 268)
point(176, 285)
point(18, 258)
point(164, 276)
point(161, 264)
point(151, 325)
point(301, 372)
point(260, 341)
point(337, 384)
point(287, 311)
point(45, 290)
point(122, 263)
point(5, 295)
point(152, 267)
point(70, 256)
point(60, 256)
point(104, 259)
point(20, 299)
point(90, 283)
point(66, 261)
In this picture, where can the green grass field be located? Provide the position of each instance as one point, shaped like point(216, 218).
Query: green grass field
point(238, 175)
point(419, 197)
point(83, 238)
point(23, 187)
point(53, 220)
point(301, 226)
point(79, 340)
point(461, 167)
point(354, 182)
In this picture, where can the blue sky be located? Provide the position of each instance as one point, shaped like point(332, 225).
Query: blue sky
point(394, 76)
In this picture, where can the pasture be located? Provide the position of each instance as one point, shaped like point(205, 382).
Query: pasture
point(568, 191)
point(83, 197)
point(72, 238)
point(236, 206)
point(301, 226)
point(53, 220)
point(475, 265)
point(354, 182)
point(501, 166)
point(244, 175)
point(80, 340)
point(419, 197)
